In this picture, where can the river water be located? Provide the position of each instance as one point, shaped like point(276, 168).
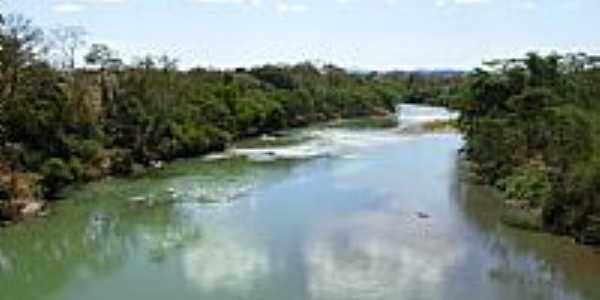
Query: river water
point(337, 214)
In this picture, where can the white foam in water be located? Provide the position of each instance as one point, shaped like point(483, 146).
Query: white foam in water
point(410, 114)
point(341, 142)
point(321, 143)
point(211, 192)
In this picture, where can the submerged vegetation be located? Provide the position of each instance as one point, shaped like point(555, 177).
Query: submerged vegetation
point(532, 129)
point(60, 124)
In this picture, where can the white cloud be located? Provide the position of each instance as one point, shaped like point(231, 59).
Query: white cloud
point(286, 7)
point(105, 1)
point(67, 8)
point(78, 6)
point(461, 2)
point(240, 2)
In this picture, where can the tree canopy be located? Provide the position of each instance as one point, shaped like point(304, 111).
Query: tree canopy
point(77, 124)
point(532, 129)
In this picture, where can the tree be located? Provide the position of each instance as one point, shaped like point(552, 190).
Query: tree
point(168, 63)
point(101, 121)
point(531, 128)
point(147, 62)
point(67, 40)
point(1, 16)
point(102, 56)
point(21, 43)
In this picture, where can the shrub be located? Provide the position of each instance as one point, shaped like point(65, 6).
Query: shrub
point(56, 175)
point(89, 149)
point(529, 182)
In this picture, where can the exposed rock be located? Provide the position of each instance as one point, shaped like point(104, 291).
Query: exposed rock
point(267, 138)
point(32, 208)
point(157, 164)
point(138, 199)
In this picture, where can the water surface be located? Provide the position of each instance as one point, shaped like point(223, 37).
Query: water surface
point(341, 214)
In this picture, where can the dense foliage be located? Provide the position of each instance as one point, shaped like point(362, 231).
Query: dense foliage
point(437, 88)
point(60, 124)
point(532, 128)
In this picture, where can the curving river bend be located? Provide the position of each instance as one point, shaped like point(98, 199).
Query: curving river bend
point(337, 214)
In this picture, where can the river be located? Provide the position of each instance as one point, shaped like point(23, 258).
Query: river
point(339, 213)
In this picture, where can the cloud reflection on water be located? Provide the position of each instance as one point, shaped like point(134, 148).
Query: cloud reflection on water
point(372, 256)
point(226, 262)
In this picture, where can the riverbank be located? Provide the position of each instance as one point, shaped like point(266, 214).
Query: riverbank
point(523, 214)
point(343, 208)
point(31, 206)
point(535, 136)
point(60, 127)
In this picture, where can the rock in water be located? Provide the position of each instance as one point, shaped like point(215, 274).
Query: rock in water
point(32, 208)
point(157, 164)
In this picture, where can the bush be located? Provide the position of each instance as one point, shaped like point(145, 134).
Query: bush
point(529, 182)
point(89, 150)
point(122, 162)
point(56, 175)
point(77, 168)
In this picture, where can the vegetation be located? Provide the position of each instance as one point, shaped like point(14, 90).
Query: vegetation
point(437, 88)
point(532, 129)
point(440, 126)
point(61, 124)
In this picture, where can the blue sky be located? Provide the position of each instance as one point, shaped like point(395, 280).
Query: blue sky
point(367, 34)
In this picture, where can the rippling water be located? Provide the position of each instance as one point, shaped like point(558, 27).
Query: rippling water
point(339, 214)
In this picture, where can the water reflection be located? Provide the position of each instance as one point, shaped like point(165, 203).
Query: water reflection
point(539, 264)
point(372, 256)
point(225, 261)
point(96, 244)
point(395, 222)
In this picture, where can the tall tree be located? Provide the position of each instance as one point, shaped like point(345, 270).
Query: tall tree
point(66, 40)
point(102, 56)
point(21, 42)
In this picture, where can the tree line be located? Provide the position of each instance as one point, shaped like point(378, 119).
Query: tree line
point(61, 124)
point(532, 129)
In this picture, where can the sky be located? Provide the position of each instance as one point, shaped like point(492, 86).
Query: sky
point(358, 34)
